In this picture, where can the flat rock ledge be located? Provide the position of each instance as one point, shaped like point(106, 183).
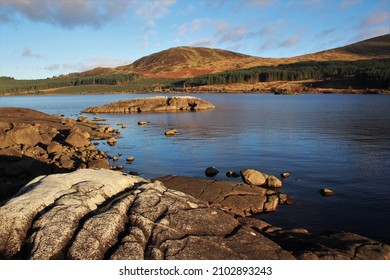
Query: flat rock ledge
point(103, 214)
point(153, 104)
point(237, 198)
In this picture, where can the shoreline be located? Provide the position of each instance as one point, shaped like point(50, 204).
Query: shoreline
point(277, 87)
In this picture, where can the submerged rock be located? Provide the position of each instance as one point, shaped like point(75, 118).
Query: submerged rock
point(153, 104)
point(285, 175)
point(327, 192)
point(232, 174)
point(143, 122)
point(211, 171)
point(171, 132)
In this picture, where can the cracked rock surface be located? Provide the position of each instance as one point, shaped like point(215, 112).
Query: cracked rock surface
point(237, 198)
point(102, 214)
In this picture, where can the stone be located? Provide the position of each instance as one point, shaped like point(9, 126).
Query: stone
point(232, 174)
point(82, 118)
point(271, 204)
point(76, 138)
point(115, 158)
point(130, 159)
point(55, 148)
point(66, 162)
point(171, 132)
point(273, 182)
point(211, 171)
point(285, 175)
point(11, 154)
point(327, 192)
point(143, 122)
point(283, 198)
point(233, 197)
point(153, 104)
point(111, 141)
point(99, 163)
point(330, 245)
point(253, 177)
point(24, 134)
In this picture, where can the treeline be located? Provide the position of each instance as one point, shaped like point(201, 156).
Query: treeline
point(11, 85)
point(363, 73)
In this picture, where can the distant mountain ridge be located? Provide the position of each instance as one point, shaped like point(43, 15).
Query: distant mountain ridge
point(181, 62)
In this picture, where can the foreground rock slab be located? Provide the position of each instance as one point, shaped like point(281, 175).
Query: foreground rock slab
point(103, 214)
point(153, 104)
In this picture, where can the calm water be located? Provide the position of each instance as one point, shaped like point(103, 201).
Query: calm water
point(336, 141)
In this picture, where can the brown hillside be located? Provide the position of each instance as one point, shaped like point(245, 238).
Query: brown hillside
point(189, 62)
point(183, 62)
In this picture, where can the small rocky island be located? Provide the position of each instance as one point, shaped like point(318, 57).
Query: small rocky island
point(153, 104)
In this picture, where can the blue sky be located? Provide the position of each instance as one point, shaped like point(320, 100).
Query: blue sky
point(45, 38)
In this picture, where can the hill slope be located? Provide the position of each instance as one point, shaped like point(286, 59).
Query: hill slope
point(189, 62)
point(181, 62)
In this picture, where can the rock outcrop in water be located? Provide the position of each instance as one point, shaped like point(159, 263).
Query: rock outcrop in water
point(103, 214)
point(153, 104)
point(33, 143)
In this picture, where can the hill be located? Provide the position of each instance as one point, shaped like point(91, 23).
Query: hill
point(184, 62)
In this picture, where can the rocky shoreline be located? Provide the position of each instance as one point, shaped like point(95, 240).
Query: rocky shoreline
point(96, 213)
point(33, 143)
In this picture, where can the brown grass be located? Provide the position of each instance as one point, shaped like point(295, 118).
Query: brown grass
point(184, 62)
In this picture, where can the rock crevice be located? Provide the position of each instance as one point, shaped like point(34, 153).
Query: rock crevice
point(102, 214)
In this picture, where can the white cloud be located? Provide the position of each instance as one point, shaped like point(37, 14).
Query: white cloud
point(374, 24)
point(29, 54)
point(346, 4)
point(234, 35)
point(221, 26)
point(153, 9)
point(64, 13)
point(89, 64)
point(205, 42)
point(376, 18)
point(293, 40)
point(193, 26)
